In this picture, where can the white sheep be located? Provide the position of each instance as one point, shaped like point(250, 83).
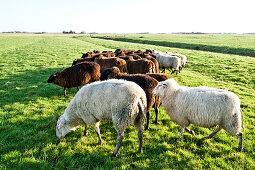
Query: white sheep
point(168, 53)
point(183, 59)
point(201, 106)
point(169, 61)
point(120, 101)
point(158, 53)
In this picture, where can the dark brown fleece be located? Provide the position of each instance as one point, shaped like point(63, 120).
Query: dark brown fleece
point(159, 77)
point(146, 82)
point(142, 66)
point(154, 61)
point(109, 62)
point(78, 75)
point(80, 60)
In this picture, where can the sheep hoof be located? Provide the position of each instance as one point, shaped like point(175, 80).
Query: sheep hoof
point(100, 142)
point(239, 149)
point(155, 122)
point(85, 134)
point(140, 151)
point(114, 155)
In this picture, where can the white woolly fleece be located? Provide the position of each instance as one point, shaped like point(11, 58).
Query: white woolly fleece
point(201, 106)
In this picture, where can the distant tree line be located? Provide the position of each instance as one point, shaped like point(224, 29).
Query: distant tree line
point(68, 32)
point(73, 32)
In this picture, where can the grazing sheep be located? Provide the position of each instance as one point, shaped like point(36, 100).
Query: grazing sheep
point(157, 53)
point(122, 102)
point(107, 54)
point(81, 60)
point(146, 82)
point(183, 59)
point(87, 55)
point(201, 106)
point(142, 66)
point(159, 77)
point(120, 54)
point(136, 57)
point(108, 62)
point(76, 75)
point(170, 62)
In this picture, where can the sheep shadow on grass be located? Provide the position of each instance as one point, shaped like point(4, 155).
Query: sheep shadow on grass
point(29, 86)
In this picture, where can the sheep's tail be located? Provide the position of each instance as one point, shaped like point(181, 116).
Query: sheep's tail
point(142, 110)
point(242, 118)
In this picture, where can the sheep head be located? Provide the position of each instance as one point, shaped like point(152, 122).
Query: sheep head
point(52, 78)
point(160, 89)
point(166, 87)
point(105, 73)
point(62, 127)
point(154, 52)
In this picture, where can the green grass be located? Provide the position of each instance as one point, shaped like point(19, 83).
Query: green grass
point(228, 44)
point(29, 108)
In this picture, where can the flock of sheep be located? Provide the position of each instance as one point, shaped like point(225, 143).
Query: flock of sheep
point(136, 85)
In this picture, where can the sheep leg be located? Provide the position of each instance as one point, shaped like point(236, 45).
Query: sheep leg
point(181, 134)
point(98, 133)
point(148, 120)
point(64, 91)
point(163, 69)
point(156, 112)
point(213, 133)
point(78, 88)
point(140, 137)
point(190, 131)
point(85, 131)
point(120, 137)
point(240, 144)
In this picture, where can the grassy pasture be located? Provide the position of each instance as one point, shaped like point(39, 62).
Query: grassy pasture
point(227, 44)
point(29, 107)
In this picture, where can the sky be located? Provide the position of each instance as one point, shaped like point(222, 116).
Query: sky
point(129, 16)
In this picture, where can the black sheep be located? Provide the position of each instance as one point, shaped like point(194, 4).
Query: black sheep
point(76, 75)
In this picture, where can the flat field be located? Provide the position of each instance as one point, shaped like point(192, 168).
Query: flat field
point(30, 107)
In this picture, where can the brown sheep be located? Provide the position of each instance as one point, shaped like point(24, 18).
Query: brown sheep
point(108, 54)
point(76, 75)
point(139, 52)
point(80, 60)
point(142, 66)
point(136, 57)
point(108, 62)
point(155, 61)
point(87, 55)
point(159, 77)
point(146, 82)
point(119, 54)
